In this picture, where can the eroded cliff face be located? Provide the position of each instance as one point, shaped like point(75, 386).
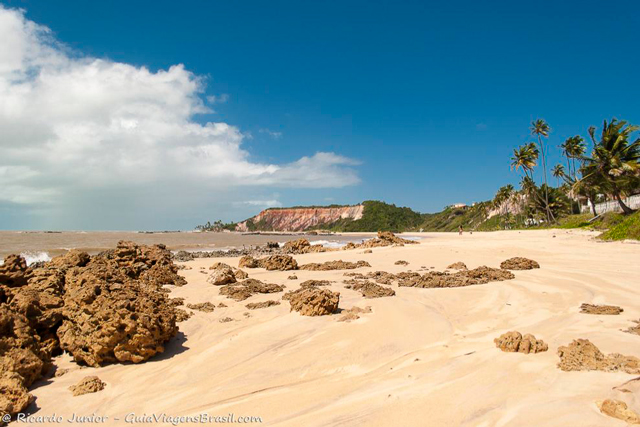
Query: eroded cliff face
point(298, 219)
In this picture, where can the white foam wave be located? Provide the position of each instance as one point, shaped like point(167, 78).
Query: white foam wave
point(32, 257)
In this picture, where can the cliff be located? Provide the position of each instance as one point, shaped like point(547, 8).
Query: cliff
point(299, 219)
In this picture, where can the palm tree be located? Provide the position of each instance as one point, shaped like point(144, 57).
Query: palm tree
point(540, 128)
point(573, 148)
point(558, 172)
point(614, 162)
point(525, 157)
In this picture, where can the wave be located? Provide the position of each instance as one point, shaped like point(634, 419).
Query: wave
point(32, 257)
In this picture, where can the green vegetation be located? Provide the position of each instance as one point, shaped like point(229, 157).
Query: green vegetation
point(378, 216)
point(628, 227)
point(217, 226)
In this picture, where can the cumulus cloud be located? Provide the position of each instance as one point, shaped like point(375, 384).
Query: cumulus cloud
point(73, 126)
point(218, 99)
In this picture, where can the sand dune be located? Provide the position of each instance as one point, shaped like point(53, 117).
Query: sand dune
point(421, 357)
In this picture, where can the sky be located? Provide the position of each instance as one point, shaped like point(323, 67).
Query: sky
point(164, 115)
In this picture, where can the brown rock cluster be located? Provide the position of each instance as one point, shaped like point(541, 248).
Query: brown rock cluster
point(519, 263)
point(582, 355)
point(458, 266)
point(314, 283)
point(600, 309)
point(272, 262)
point(623, 402)
point(313, 301)
point(619, 409)
point(514, 342)
point(240, 291)
point(371, 290)
point(301, 246)
point(436, 279)
point(385, 238)
point(205, 307)
point(401, 262)
point(103, 309)
point(88, 385)
point(224, 274)
point(263, 304)
point(334, 265)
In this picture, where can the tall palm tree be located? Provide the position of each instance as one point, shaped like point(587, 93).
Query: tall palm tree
point(541, 129)
point(558, 172)
point(525, 157)
point(614, 162)
point(573, 148)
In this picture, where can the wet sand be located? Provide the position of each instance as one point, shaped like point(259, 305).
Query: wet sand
point(423, 357)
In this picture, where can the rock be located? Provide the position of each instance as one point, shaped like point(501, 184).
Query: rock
point(240, 274)
point(88, 385)
point(222, 276)
point(582, 355)
point(313, 301)
point(61, 372)
point(634, 329)
point(183, 256)
point(334, 265)
point(301, 246)
point(368, 251)
point(226, 320)
point(248, 261)
point(263, 304)
point(457, 266)
point(371, 290)
point(619, 409)
point(292, 277)
point(13, 272)
point(519, 263)
point(222, 305)
point(182, 315)
point(514, 342)
point(353, 313)
point(401, 262)
point(245, 289)
point(205, 307)
point(219, 266)
point(278, 262)
point(314, 283)
point(385, 238)
point(600, 309)
point(435, 279)
point(14, 396)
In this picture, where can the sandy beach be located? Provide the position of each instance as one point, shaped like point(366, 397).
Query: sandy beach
point(422, 357)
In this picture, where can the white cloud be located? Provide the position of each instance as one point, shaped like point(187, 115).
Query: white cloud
point(272, 134)
point(218, 99)
point(71, 127)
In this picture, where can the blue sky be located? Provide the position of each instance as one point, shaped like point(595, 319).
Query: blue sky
point(429, 98)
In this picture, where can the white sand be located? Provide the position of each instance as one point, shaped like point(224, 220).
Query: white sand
point(424, 357)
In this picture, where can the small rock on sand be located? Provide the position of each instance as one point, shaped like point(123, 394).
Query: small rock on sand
point(88, 385)
point(600, 309)
point(457, 266)
point(516, 343)
point(353, 313)
point(206, 307)
point(618, 409)
point(401, 262)
point(583, 355)
point(519, 263)
point(313, 301)
point(263, 304)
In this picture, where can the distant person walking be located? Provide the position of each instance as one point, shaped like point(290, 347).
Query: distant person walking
point(460, 230)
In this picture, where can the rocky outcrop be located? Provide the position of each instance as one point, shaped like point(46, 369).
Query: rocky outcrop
point(263, 304)
point(436, 279)
point(458, 266)
point(272, 262)
point(582, 355)
point(298, 219)
point(224, 274)
point(600, 309)
point(112, 307)
point(334, 265)
point(301, 246)
point(205, 307)
point(514, 342)
point(88, 385)
point(313, 301)
point(619, 409)
point(314, 283)
point(381, 277)
point(242, 290)
point(519, 263)
point(385, 238)
point(371, 290)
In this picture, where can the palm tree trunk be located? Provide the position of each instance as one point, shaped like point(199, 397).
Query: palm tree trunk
point(546, 186)
point(625, 209)
point(593, 206)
